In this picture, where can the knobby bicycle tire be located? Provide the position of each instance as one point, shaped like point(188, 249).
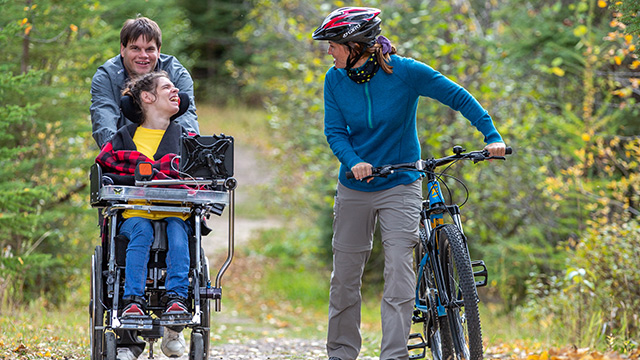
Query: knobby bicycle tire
point(464, 320)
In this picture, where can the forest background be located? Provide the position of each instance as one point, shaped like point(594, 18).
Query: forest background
point(558, 227)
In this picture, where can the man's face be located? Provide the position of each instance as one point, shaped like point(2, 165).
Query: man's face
point(140, 56)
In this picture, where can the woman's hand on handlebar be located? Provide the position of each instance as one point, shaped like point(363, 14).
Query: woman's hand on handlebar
point(496, 149)
point(362, 170)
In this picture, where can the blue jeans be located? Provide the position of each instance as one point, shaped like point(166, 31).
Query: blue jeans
point(140, 233)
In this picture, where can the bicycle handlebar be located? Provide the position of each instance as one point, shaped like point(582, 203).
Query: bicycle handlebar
point(430, 164)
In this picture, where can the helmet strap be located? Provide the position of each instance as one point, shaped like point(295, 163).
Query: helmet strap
point(352, 60)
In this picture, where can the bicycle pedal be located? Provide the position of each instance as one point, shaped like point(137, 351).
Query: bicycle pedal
point(482, 273)
point(421, 345)
point(417, 317)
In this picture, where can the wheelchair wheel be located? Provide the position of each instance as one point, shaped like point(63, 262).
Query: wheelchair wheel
point(196, 350)
point(205, 306)
point(96, 309)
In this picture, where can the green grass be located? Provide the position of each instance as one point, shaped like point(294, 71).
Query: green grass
point(499, 327)
point(37, 331)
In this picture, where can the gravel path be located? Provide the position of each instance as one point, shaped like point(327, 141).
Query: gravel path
point(270, 348)
point(258, 349)
point(262, 349)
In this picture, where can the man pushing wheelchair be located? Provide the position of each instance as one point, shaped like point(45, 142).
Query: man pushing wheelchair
point(149, 276)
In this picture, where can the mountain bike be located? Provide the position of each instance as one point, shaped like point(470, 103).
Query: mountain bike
point(446, 298)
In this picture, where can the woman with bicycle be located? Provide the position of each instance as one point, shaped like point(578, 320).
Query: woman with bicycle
point(371, 97)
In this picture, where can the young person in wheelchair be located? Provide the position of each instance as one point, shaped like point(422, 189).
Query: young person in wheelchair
point(156, 139)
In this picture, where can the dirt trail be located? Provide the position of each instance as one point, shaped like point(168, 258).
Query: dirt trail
point(250, 171)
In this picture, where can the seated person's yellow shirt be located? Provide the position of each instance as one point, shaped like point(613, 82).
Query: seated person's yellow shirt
point(147, 142)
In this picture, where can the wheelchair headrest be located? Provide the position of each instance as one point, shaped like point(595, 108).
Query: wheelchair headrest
point(133, 112)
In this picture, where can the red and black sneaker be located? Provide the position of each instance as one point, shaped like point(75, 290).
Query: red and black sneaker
point(176, 306)
point(133, 309)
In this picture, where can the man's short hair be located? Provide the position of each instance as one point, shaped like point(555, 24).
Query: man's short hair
point(140, 26)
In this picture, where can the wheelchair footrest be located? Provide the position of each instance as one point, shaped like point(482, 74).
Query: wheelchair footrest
point(480, 272)
point(172, 320)
point(142, 323)
point(420, 344)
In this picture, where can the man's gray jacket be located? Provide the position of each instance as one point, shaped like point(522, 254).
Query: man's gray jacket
point(106, 90)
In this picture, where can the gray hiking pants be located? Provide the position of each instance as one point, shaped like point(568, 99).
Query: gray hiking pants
point(355, 215)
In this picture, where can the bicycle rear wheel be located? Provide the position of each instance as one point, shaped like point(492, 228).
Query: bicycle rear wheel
point(462, 314)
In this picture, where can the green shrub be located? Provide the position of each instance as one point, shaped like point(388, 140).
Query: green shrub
point(595, 303)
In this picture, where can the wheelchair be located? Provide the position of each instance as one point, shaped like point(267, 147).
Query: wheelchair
point(209, 166)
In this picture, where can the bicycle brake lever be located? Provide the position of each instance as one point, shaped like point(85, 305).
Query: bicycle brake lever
point(384, 171)
point(477, 157)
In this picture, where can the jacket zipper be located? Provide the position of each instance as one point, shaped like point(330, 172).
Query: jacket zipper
point(369, 105)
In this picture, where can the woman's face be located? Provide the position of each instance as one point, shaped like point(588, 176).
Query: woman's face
point(340, 54)
point(167, 100)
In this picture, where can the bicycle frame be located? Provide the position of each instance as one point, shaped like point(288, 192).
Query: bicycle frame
point(432, 216)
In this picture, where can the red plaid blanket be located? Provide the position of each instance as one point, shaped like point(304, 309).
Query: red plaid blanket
point(123, 162)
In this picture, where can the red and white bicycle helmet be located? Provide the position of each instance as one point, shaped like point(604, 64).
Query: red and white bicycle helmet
point(350, 24)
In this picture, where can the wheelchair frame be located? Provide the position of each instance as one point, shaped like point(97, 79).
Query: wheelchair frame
point(111, 200)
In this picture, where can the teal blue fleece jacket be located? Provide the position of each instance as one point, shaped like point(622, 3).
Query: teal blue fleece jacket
point(375, 122)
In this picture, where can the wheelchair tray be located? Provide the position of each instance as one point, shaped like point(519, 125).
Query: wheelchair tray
point(190, 196)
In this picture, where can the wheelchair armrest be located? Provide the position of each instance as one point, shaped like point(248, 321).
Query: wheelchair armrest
point(99, 179)
point(127, 180)
point(95, 178)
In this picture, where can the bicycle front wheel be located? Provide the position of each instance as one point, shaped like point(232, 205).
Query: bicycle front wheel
point(426, 292)
point(460, 287)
